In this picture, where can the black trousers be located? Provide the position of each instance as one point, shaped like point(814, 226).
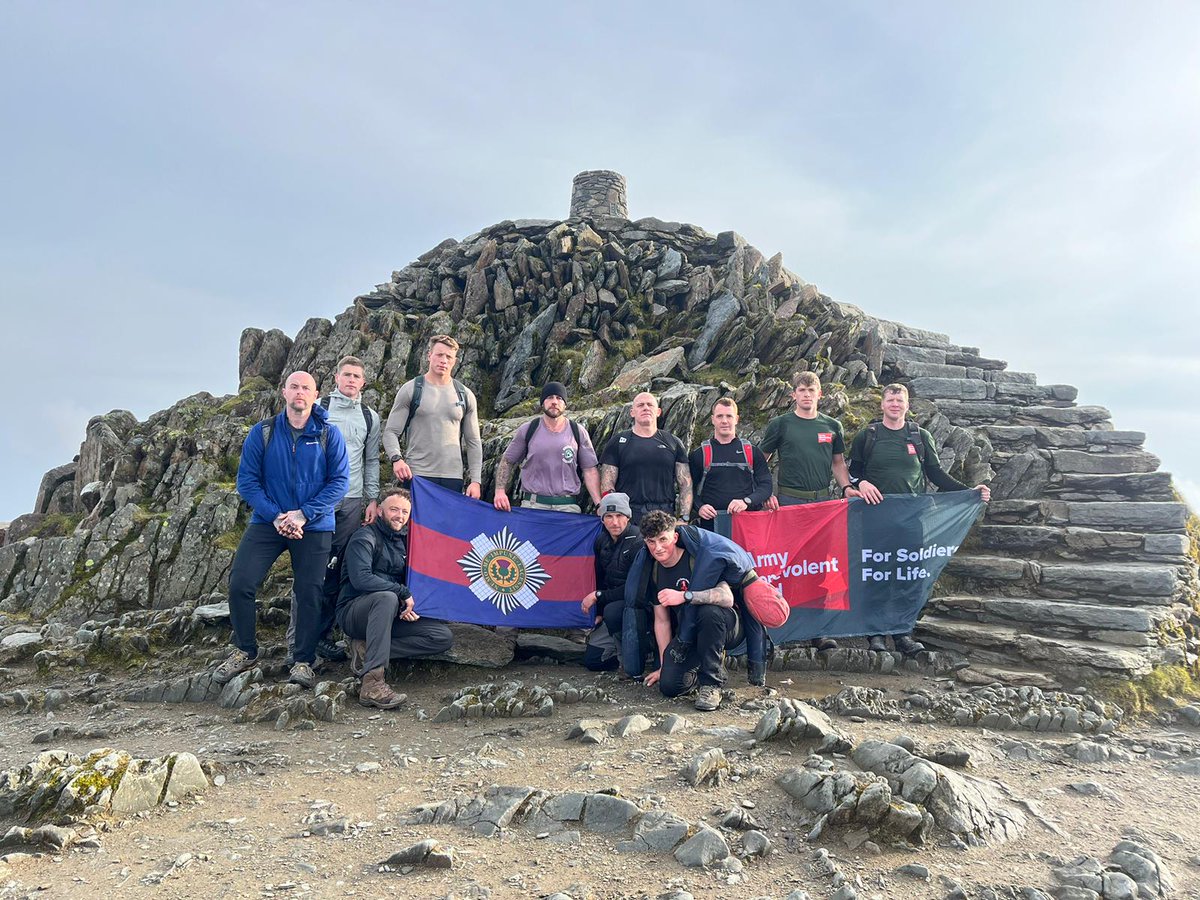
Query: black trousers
point(701, 662)
point(261, 545)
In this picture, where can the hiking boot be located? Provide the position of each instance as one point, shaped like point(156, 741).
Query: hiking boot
point(708, 698)
point(906, 645)
point(236, 663)
point(756, 673)
point(824, 644)
point(328, 649)
point(375, 692)
point(358, 657)
point(877, 643)
point(302, 674)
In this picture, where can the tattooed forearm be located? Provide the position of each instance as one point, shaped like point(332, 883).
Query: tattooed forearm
point(503, 474)
point(721, 595)
point(608, 478)
point(683, 481)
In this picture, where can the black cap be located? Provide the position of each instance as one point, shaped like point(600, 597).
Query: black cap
point(554, 389)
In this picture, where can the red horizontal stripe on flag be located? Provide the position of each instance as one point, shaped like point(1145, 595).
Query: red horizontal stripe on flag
point(435, 555)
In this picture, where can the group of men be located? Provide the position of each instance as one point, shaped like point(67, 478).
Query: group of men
point(672, 593)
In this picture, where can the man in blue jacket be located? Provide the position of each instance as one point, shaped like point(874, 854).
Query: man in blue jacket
point(293, 472)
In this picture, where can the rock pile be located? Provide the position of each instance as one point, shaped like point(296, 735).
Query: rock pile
point(513, 700)
point(559, 817)
point(994, 706)
point(58, 794)
point(1082, 564)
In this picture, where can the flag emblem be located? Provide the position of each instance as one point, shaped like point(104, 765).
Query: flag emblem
point(824, 437)
point(504, 571)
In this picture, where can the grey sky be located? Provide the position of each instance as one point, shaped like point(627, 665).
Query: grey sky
point(1024, 178)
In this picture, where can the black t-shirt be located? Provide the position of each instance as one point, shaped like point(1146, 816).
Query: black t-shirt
point(645, 466)
point(730, 477)
point(676, 578)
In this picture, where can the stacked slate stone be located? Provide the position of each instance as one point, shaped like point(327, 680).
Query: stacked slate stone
point(1081, 564)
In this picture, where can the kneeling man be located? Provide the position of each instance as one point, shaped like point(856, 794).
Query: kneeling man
point(375, 608)
point(688, 577)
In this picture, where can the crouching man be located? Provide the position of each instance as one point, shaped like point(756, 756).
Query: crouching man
point(375, 608)
point(615, 549)
point(691, 581)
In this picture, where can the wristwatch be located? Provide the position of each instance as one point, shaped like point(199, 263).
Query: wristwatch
point(746, 500)
point(687, 596)
point(395, 457)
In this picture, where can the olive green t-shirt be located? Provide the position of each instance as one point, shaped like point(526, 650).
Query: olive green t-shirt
point(895, 465)
point(806, 449)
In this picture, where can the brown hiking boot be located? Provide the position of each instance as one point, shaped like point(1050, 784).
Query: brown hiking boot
point(358, 656)
point(235, 664)
point(708, 698)
point(375, 692)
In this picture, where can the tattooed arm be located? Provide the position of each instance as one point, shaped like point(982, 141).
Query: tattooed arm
point(683, 481)
point(608, 478)
point(503, 475)
point(721, 595)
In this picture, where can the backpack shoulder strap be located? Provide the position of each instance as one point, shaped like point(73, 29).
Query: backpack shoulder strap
point(869, 442)
point(748, 453)
point(914, 435)
point(367, 418)
point(707, 454)
point(533, 427)
point(578, 448)
point(415, 403)
point(268, 425)
point(324, 401)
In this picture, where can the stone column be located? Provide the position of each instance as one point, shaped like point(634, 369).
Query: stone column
point(598, 193)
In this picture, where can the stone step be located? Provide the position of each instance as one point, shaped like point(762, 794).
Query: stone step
point(1127, 583)
point(1144, 486)
point(990, 412)
point(1083, 462)
point(1019, 438)
point(1131, 515)
point(1042, 541)
point(1006, 644)
point(1040, 611)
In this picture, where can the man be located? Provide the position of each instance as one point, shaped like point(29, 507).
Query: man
point(360, 427)
point(293, 472)
point(687, 578)
point(729, 474)
point(811, 448)
point(648, 465)
point(895, 456)
point(375, 608)
point(614, 550)
point(436, 415)
point(558, 459)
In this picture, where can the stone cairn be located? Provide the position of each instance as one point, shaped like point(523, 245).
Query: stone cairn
point(1081, 565)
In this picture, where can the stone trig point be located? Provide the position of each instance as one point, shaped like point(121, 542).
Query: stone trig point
point(599, 192)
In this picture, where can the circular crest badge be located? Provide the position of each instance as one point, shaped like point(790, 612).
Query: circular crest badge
point(568, 454)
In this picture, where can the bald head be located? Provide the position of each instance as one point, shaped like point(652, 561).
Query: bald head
point(299, 393)
point(645, 413)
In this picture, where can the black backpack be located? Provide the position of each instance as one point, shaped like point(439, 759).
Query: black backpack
point(367, 417)
point(418, 387)
point(914, 438)
point(533, 427)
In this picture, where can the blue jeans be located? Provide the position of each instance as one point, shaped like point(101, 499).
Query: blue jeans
point(261, 545)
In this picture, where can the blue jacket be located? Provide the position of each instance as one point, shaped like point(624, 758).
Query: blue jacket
point(714, 558)
point(286, 476)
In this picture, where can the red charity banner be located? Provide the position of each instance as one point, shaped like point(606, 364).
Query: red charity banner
point(802, 550)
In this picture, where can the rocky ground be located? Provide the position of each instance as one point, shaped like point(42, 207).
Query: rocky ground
point(538, 779)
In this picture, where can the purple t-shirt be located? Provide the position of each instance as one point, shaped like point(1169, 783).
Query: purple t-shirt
point(550, 466)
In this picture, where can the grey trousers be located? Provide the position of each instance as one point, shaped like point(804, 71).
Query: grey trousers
point(372, 618)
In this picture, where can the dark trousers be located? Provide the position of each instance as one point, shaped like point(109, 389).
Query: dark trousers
point(372, 618)
point(701, 661)
point(454, 484)
point(347, 519)
point(261, 545)
point(640, 509)
point(614, 619)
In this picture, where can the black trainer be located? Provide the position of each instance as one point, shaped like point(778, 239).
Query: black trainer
point(824, 644)
point(877, 643)
point(327, 649)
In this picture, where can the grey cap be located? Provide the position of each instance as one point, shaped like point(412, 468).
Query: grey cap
point(614, 503)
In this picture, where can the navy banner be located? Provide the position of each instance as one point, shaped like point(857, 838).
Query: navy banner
point(848, 568)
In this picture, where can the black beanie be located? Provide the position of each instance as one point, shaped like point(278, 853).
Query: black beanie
point(554, 389)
